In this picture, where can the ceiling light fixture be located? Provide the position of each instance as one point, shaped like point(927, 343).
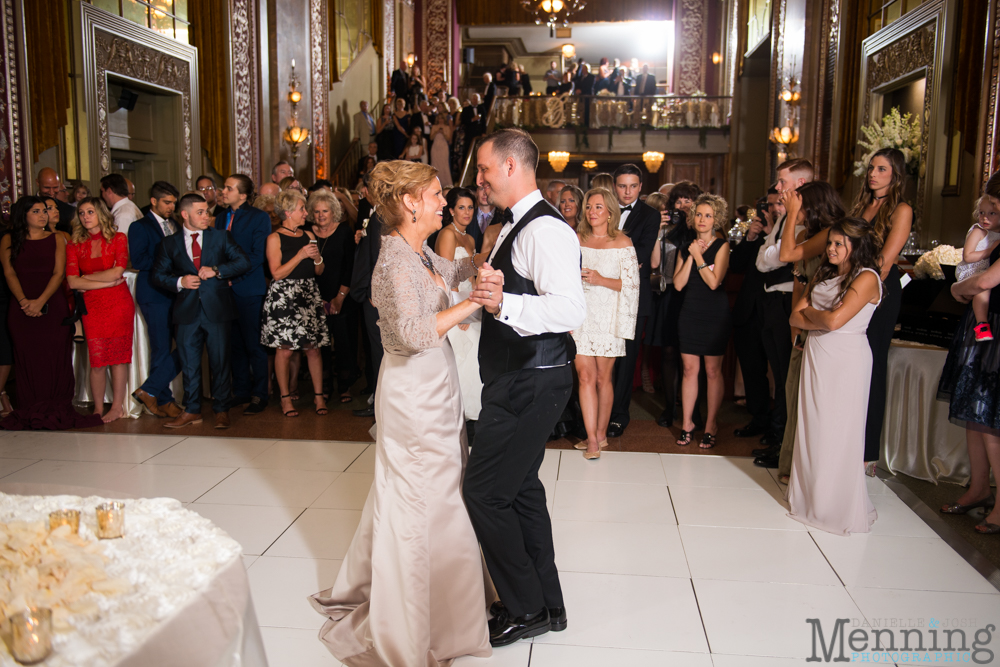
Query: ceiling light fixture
point(558, 160)
point(552, 12)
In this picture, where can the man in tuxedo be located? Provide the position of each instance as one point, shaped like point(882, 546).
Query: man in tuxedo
point(421, 120)
point(645, 83)
point(369, 241)
point(747, 324)
point(587, 81)
point(364, 125)
point(205, 186)
point(775, 306)
point(250, 228)
point(399, 84)
point(473, 118)
point(640, 222)
point(491, 89)
point(484, 218)
point(144, 237)
point(50, 185)
point(197, 264)
point(532, 300)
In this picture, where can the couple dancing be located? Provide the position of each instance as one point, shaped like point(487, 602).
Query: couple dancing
point(412, 590)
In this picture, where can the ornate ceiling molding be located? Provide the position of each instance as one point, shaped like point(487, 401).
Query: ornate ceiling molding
point(692, 41)
point(115, 46)
point(437, 19)
point(13, 178)
point(388, 40)
point(320, 86)
point(244, 48)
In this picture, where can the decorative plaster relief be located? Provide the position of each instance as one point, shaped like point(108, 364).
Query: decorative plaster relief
point(320, 86)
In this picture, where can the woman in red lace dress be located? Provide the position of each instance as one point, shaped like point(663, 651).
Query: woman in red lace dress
point(95, 265)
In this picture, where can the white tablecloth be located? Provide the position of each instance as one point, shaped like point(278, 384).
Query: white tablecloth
point(189, 605)
point(138, 370)
point(918, 440)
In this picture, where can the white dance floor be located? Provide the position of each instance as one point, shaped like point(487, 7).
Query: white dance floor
point(677, 560)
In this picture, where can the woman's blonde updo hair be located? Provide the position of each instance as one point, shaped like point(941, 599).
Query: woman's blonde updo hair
point(720, 209)
point(287, 201)
point(584, 229)
point(389, 181)
point(324, 196)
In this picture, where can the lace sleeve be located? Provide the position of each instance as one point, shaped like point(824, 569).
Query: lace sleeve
point(406, 320)
point(453, 272)
point(628, 297)
point(119, 244)
point(72, 259)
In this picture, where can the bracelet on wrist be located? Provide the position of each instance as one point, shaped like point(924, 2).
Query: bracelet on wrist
point(319, 262)
point(702, 266)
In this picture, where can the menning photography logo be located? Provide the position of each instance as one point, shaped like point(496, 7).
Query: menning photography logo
point(902, 641)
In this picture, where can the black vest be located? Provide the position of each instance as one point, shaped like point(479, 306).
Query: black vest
point(782, 274)
point(503, 350)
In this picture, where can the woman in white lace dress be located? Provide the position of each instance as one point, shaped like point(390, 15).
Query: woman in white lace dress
point(611, 286)
point(455, 243)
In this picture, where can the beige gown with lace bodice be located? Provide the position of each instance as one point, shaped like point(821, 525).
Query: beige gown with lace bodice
point(411, 589)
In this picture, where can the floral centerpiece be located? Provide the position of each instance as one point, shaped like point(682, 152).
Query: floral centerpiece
point(896, 131)
point(929, 264)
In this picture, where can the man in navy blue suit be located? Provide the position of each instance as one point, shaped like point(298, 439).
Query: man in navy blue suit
point(198, 264)
point(144, 236)
point(250, 228)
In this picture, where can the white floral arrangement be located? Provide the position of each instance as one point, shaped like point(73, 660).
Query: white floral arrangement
point(929, 264)
point(895, 132)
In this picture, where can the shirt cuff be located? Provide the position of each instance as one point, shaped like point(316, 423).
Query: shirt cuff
point(510, 313)
point(179, 286)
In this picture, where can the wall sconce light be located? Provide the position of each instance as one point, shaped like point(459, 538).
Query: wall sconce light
point(558, 160)
point(653, 160)
point(784, 137)
point(716, 58)
point(295, 135)
point(568, 51)
point(590, 164)
point(410, 59)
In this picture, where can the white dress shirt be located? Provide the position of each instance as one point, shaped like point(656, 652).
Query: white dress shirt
point(125, 212)
point(768, 257)
point(547, 252)
point(166, 225)
point(188, 238)
point(625, 214)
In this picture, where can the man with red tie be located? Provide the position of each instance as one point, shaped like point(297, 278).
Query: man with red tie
point(198, 264)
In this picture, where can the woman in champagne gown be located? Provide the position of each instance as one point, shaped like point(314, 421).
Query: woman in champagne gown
point(441, 148)
point(827, 488)
point(411, 590)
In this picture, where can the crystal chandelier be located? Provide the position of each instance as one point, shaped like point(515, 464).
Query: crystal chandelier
point(552, 12)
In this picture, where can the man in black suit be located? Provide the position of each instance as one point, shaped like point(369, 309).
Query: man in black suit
point(205, 186)
point(485, 216)
point(50, 185)
point(420, 119)
point(365, 259)
point(399, 84)
point(645, 83)
point(747, 326)
point(587, 81)
point(641, 223)
point(491, 90)
point(197, 264)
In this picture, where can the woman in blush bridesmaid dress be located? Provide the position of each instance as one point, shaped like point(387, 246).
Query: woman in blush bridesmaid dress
point(827, 488)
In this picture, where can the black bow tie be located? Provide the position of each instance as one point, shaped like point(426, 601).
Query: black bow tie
point(505, 215)
point(627, 208)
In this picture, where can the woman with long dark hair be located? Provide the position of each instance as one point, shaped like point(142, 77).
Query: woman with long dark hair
point(95, 265)
point(815, 207)
point(34, 263)
point(827, 488)
point(880, 202)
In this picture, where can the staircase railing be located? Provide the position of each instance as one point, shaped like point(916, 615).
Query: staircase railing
point(469, 169)
point(346, 172)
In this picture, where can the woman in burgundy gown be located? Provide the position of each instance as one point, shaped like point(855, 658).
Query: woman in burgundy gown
point(95, 265)
point(34, 261)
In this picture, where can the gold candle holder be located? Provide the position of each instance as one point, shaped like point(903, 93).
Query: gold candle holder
point(110, 520)
point(31, 635)
point(69, 518)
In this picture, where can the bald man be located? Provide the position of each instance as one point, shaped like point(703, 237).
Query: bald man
point(269, 190)
point(49, 185)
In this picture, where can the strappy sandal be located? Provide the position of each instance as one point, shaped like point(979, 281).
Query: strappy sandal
point(707, 440)
point(987, 528)
point(344, 398)
point(321, 411)
point(685, 439)
point(986, 503)
point(293, 412)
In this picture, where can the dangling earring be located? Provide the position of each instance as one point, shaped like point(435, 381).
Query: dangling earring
point(414, 215)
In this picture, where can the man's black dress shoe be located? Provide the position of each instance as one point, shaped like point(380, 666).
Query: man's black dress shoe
point(772, 439)
point(666, 419)
point(750, 430)
point(557, 619)
point(365, 412)
point(766, 461)
point(766, 451)
point(256, 406)
point(505, 630)
point(239, 400)
point(615, 430)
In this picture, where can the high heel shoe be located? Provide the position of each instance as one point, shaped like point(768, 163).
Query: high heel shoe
point(954, 508)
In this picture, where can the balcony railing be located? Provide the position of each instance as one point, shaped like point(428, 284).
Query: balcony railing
point(660, 112)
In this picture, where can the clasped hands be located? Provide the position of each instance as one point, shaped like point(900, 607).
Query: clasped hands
point(696, 248)
point(489, 289)
point(194, 281)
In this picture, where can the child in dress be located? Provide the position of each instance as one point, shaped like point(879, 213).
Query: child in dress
point(414, 149)
point(979, 244)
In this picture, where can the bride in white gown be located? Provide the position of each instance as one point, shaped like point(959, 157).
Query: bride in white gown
point(453, 242)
